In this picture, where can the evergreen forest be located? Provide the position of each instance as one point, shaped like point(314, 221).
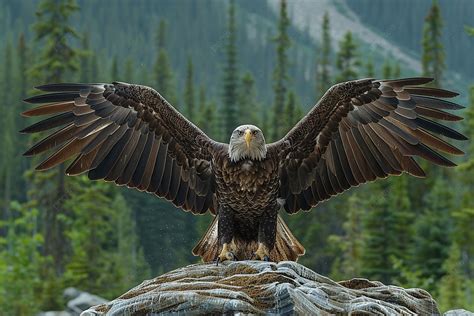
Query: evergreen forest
point(222, 64)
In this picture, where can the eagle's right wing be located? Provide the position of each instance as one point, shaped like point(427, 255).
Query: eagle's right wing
point(127, 134)
point(362, 130)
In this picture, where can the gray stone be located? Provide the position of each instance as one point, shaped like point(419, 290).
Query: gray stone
point(54, 313)
point(255, 287)
point(79, 301)
point(458, 312)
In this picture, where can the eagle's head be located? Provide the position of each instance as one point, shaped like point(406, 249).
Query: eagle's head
point(247, 142)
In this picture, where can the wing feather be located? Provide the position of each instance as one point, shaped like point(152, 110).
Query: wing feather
point(378, 133)
point(127, 134)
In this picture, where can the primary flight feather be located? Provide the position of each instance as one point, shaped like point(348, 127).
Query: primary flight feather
point(359, 131)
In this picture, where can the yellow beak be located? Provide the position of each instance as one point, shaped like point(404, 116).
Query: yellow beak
point(248, 137)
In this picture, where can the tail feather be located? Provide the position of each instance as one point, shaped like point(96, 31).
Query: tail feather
point(287, 247)
point(207, 248)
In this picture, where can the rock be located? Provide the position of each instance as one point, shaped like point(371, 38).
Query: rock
point(79, 301)
point(54, 313)
point(255, 287)
point(458, 312)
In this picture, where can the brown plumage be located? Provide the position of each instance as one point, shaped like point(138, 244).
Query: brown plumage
point(359, 131)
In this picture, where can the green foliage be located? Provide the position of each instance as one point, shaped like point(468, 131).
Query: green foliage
point(280, 73)
point(452, 285)
point(323, 74)
point(21, 261)
point(432, 59)
point(114, 71)
point(396, 71)
point(189, 91)
point(432, 232)
point(85, 65)
point(58, 59)
point(163, 78)
point(387, 229)
point(129, 72)
point(387, 71)
point(347, 61)
point(231, 76)
point(53, 31)
point(8, 137)
point(207, 120)
point(292, 112)
point(348, 247)
point(370, 71)
point(104, 255)
point(247, 101)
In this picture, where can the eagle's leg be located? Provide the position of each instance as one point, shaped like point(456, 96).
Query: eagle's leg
point(225, 233)
point(266, 235)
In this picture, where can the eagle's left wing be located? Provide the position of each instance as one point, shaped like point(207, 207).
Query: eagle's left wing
point(363, 130)
point(128, 134)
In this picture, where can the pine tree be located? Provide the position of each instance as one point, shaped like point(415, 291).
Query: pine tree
point(21, 265)
point(210, 117)
point(349, 246)
point(105, 255)
point(96, 74)
point(432, 232)
point(7, 164)
point(387, 70)
point(114, 70)
point(396, 70)
point(129, 74)
point(432, 59)
point(207, 115)
point(85, 60)
point(323, 71)
point(280, 73)
point(57, 60)
point(452, 285)
point(163, 78)
point(388, 229)
point(370, 68)
point(202, 106)
point(463, 216)
point(248, 107)
point(377, 222)
point(23, 54)
point(189, 90)
point(292, 112)
point(347, 59)
point(231, 76)
point(58, 57)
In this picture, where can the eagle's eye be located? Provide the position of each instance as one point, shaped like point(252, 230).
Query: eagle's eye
point(255, 132)
point(241, 133)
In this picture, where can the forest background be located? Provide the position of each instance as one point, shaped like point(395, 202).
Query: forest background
point(223, 63)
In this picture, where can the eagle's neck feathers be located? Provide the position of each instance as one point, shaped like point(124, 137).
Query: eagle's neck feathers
point(239, 151)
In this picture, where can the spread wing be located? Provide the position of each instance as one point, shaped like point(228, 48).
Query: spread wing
point(127, 134)
point(363, 130)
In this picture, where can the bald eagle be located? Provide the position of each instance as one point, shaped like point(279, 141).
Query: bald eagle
point(359, 131)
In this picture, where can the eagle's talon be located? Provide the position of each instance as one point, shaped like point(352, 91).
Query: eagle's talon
point(262, 253)
point(226, 254)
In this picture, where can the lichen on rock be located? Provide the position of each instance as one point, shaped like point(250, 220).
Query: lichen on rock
point(255, 287)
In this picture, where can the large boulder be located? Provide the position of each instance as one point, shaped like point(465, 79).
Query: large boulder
point(255, 287)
